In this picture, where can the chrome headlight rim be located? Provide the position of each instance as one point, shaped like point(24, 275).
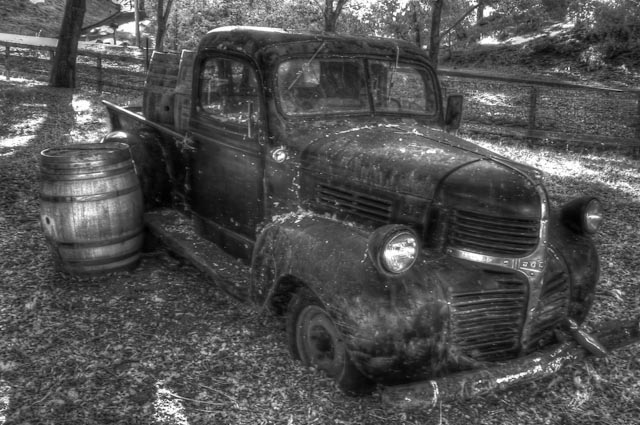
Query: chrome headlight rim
point(592, 216)
point(393, 241)
point(584, 215)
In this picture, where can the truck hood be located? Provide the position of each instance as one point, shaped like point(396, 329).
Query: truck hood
point(404, 159)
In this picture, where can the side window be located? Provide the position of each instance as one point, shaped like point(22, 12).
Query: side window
point(229, 91)
point(402, 88)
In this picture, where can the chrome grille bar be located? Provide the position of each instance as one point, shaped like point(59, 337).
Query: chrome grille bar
point(486, 324)
point(351, 202)
point(493, 235)
point(551, 311)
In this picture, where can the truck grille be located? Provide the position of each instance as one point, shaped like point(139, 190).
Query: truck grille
point(551, 311)
point(493, 235)
point(354, 203)
point(486, 323)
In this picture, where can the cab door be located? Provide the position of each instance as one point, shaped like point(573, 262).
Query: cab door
point(227, 165)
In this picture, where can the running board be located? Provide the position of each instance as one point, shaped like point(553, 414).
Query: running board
point(176, 231)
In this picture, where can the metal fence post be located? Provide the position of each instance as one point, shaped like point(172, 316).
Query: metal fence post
point(7, 53)
point(636, 148)
point(99, 67)
point(533, 107)
point(146, 61)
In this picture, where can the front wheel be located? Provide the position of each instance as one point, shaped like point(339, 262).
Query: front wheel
point(315, 340)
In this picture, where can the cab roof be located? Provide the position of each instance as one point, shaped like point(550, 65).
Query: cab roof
point(260, 41)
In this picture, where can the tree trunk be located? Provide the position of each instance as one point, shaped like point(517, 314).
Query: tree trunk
point(416, 23)
point(136, 14)
point(331, 15)
point(434, 36)
point(163, 17)
point(63, 70)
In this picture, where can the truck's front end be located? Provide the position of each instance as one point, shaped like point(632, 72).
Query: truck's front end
point(471, 263)
point(430, 254)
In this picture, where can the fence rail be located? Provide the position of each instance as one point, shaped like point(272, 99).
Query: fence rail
point(494, 103)
point(547, 109)
point(97, 65)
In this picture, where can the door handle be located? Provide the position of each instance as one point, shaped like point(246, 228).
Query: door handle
point(279, 154)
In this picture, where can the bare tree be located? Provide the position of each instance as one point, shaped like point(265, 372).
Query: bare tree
point(332, 13)
point(163, 17)
point(434, 36)
point(63, 70)
point(462, 18)
point(416, 22)
point(480, 15)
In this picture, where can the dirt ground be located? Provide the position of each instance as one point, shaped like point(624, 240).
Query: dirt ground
point(161, 345)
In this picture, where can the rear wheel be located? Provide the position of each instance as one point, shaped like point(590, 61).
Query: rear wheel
point(315, 340)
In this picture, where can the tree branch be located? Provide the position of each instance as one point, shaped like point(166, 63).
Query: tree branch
point(167, 10)
point(462, 18)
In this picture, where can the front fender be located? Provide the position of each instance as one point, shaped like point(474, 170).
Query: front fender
point(330, 257)
point(581, 258)
point(394, 327)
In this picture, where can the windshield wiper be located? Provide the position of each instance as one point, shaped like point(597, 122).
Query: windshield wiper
point(306, 65)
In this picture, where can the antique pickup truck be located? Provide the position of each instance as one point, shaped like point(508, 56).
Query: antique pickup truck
point(398, 252)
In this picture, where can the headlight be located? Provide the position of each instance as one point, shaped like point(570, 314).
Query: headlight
point(393, 249)
point(593, 215)
point(583, 215)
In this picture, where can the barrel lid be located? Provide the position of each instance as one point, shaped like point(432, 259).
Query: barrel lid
point(86, 154)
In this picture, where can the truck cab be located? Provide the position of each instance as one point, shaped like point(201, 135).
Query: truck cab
point(396, 250)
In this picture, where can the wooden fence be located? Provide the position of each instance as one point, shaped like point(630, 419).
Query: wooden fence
point(104, 67)
point(547, 109)
point(498, 104)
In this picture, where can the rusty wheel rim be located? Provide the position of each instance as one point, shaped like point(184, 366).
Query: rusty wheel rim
point(319, 342)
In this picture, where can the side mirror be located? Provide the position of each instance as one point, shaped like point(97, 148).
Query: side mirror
point(453, 113)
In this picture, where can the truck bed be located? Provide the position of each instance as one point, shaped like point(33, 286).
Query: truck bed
point(131, 118)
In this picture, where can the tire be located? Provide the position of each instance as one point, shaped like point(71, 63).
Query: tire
point(315, 340)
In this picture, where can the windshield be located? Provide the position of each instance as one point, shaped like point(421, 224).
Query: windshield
point(339, 85)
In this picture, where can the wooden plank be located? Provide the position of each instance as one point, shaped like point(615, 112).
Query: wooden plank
point(182, 97)
point(159, 88)
point(118, 56)
point(475, 75)
point(123, 54)
point(28, 41)
point(556, 135)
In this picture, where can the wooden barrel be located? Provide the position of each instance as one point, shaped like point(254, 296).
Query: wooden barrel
point(158, 93)
point(91, 207)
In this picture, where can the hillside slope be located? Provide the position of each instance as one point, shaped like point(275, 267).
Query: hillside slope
point(44, 17)
point(552, 51)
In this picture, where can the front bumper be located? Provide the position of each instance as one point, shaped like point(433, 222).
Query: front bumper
point(469, 384)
